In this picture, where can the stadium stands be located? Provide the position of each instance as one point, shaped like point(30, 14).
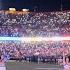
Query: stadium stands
point(33, 24)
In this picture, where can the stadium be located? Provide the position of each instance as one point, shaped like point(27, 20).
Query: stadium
point(34, 40)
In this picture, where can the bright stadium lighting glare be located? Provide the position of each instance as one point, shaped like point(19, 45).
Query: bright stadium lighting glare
point(25, 10)
point(56, 38)
point(10, 38)
point(12, 9)
point(31, 39)
point(35, 39)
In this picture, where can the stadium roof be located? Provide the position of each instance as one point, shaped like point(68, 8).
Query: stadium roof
point(36, 5)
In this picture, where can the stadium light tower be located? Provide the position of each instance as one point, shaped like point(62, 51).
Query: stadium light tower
point(25, 11)
point(12, 10)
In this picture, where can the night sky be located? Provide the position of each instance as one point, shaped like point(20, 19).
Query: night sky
point(36, 5)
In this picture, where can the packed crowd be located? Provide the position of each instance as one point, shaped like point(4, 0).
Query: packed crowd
point(18, 50)
point(44, 24)
point(35, 24)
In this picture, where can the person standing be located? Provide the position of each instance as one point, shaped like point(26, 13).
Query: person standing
point(2, 64)
point(66, 62)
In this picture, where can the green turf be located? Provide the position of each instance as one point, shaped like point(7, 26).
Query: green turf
point(30, 66)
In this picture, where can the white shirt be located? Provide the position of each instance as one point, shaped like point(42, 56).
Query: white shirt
point(2, 66)
point(66, 67)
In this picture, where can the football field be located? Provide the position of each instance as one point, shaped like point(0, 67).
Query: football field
point(31, 66)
